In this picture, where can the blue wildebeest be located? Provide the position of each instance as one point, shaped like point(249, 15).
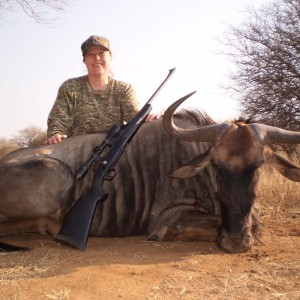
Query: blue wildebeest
point(237, 152)
point(212, 200)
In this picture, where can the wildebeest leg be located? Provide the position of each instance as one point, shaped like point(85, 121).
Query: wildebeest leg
point(41, 225)
point(204, 230)
point(199, 227)
point(184, 223)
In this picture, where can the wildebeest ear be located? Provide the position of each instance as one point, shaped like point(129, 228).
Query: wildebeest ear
point(284, 166)
point(193, 167)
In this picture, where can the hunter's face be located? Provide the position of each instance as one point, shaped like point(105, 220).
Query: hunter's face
point(97, 60)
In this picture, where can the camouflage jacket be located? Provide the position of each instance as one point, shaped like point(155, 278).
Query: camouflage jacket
point(79, 109)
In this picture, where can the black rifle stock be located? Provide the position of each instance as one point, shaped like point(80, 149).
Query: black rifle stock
point(76, 224)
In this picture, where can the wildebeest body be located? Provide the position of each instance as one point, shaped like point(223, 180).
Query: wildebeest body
point(142, 198)
point(38, 183)
point(216, 169)
point(25, 184)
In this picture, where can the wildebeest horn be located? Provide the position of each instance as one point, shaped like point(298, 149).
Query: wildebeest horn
point(203, 134)
point(271, 135)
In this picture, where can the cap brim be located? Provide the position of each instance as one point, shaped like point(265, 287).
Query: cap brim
point(106, 49)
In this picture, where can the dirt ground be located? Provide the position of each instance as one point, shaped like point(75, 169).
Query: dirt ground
point(133, 268)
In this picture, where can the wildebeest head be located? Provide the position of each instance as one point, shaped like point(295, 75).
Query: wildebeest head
point(238, 150)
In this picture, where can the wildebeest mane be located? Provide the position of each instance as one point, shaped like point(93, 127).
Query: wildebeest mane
point(195, 117)
point(244, 120)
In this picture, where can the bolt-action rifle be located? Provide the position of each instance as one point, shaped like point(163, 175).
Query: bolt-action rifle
point(76, 224)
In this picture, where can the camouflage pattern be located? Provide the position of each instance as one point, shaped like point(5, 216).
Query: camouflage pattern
point(94, 40)
point(79, 109)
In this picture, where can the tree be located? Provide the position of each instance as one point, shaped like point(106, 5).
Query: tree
point(35, 9)
point(6, 146)
point(266, 52)
point(29, 136)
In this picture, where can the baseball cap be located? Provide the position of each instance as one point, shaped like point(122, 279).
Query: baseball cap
point(94, 40)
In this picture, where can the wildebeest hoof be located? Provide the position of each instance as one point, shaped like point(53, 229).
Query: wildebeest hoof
point(47, 225)
point(164, 233)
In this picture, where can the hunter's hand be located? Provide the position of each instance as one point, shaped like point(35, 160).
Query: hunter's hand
point(56, 138)
point(155, 116)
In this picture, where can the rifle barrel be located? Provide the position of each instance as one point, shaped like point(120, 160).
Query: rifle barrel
point(159, 88)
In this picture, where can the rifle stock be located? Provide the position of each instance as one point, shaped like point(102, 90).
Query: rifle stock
point(78, 221)
point(76, 224)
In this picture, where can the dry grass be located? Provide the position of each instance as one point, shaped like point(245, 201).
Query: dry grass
point(59, 295)
point(230, 285)
point(277, 192)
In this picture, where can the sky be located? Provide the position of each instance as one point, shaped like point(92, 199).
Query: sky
point(147, 38)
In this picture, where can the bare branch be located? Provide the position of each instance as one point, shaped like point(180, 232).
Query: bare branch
point(39, 10)
point(266, 52)
point(29, 136)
